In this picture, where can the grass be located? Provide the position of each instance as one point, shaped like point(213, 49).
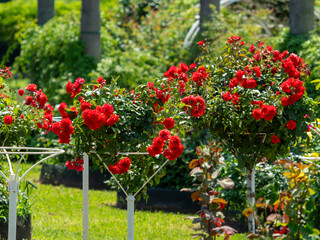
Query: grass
point(57, 214)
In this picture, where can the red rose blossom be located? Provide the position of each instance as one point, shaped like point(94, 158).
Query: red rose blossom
point(256, 113)
point(291, 125)
point(20, 92)
point(8, 119)
point(275, 139)
point(168, 123)
point(164, 134)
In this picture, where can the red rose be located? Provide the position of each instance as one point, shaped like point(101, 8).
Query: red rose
point(256, 113)
point(107, 109)
point(29, 100)
point(251, 83)
point(256, 69)
point(252, 49)
point(85, 105)
point(172, 72)
point(62, 110)
point(32, 87)
point(8, 119)
point(70, 165)
point(56, 128)
point(79, 168)
point(21, 92)
point(291, 125)
point(174, 141)
point(125, 163)
point(64, 137)
point(168, 123)
point(151, 151)
point(157, 141)
point(112, 120)
point(164, 134)
point(275, 139)
point(285, 101)
point(200, 43)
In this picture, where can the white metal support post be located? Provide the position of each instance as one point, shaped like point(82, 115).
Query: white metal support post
point(130, 212)
point(253, 198)
point(85, 196)
point(13, 186)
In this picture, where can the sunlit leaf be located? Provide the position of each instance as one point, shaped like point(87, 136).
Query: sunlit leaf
point(311, 191)
point(226, 183)
point(219, 200)
point(247, 212)
point(193, 163)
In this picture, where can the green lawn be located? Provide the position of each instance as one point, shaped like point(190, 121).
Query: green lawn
point(57, 214)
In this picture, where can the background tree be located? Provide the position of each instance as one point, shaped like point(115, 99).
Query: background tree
point(90, 27)
point(45, 11)
point(206, 11)
point(301, 16)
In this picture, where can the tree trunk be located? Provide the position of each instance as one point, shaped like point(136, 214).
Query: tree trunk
point(90, 28)
point(301, 16)
point(251, 192)
point(45, 11)
point(206, 11)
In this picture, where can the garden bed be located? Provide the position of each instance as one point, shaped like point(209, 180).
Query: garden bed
point(61, 175)
point(24, 228)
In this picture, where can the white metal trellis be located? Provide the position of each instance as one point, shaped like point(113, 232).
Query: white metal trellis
point(130, 197)
point(14, 180)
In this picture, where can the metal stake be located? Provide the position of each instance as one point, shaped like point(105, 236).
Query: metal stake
point(130, 212)
point(85, 197)
point(13, 196)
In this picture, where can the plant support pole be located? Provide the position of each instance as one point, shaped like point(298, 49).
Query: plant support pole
point(130, 212)
point(251, 196)
point(13, 194)
point(85, 197)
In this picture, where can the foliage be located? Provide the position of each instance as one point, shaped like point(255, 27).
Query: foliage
point(53, 52)
point(140, 52)
point(18, 15)
point(252, 23)
point(289, 216)
point(23, 203)
point(279, 10)
point(135, 10)
point(18, 120)
point(15, 16)
point(177, 175)
point(206, 170)
point(269, 182)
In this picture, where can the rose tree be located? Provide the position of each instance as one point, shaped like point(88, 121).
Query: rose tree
point(252, 98)
point(108, 120)
point(19, 119)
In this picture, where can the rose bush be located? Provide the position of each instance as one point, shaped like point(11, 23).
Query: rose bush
point(108, 120)
point(20, 118)
point(252, 98)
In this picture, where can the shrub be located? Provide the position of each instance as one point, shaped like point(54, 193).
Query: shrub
point(53, 54)
point(140, 52)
